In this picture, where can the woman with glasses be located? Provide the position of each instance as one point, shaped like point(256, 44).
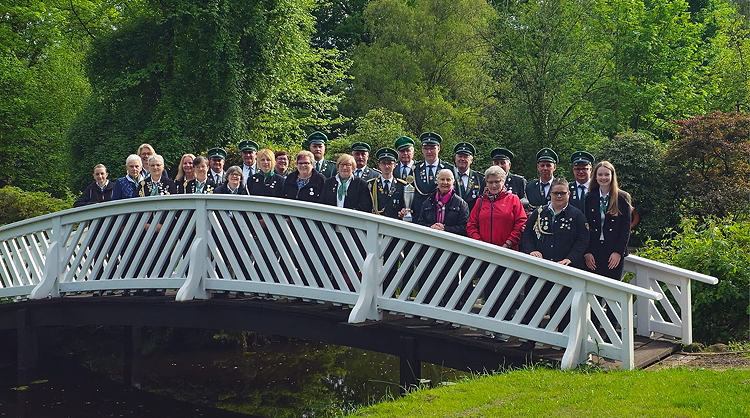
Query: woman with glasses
point(608, 212)
point(266, 182)
point(498, 216)
point(305, 183)
point(346, 190)
point(233, 185)
point(202, 183)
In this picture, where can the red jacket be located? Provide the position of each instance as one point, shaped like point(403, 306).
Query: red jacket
point(498, 222)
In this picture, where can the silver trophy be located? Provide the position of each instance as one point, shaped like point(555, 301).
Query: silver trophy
point(408, 199)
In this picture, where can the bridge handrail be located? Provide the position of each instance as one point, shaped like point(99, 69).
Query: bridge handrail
point(356, 263)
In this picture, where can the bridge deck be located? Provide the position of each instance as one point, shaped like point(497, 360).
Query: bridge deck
point(439, 343)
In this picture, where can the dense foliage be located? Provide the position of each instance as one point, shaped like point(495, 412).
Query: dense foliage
point(717, 247)
point(17, 205)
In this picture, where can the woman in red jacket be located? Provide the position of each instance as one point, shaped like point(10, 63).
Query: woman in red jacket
point(498, 216)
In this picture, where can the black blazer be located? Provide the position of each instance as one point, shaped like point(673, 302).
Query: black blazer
point(95, 194)
point(259, 185)
point(475, 189)
point(166, 186)
point(534, 195)
point(310, 193)
point(357, 194)
point(224, 189)
point(516, 185)
point(389, 203)
point(456, 214)
point(208, 188)
point(616, 228)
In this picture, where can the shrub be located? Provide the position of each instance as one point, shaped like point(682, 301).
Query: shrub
point(17, 205)
point(717, 247)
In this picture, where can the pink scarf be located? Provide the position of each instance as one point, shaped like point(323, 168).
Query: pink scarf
point(441, 202)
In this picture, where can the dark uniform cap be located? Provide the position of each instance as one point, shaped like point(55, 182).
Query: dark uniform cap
point(464, 148)
point(360, 146)
point(386, 153)
point(581, 157)
point(502, 154)
point(404, 142)
point(430, 138)
point(317, 138)
point(546, 154)
point(217, 153)
point(248, 145)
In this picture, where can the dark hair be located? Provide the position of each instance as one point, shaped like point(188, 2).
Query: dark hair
point(278, 154)
point(200, 160)
point(558, 181)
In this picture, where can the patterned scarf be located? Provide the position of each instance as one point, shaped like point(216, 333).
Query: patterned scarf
point(441, 201)
point(492, 197)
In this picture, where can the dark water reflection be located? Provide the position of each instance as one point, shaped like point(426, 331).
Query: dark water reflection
point(247, 373)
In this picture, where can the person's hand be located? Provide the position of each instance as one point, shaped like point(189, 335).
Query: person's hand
point(564, 262)
point(614, 260)
point(590, 262)
point(438, 226)
point(536, 254)
point(402, 213)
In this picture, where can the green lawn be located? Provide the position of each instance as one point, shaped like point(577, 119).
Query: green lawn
point(674, 392)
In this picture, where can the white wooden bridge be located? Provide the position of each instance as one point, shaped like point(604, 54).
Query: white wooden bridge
point(203, 244)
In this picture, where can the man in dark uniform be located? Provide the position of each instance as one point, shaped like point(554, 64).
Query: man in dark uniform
point(469, 183)
point(513, 182)
point(425, 172)
point(316, 143)
point(558, 232)
point(361, 153)
point(249, 150)
point(581, 161)
point(405, 164)
point(537, 191)
point(216, 158)
point(387, 191)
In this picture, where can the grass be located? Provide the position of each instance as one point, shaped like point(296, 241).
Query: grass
point(676, 392)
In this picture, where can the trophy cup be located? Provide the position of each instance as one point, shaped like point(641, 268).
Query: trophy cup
point(408, 198)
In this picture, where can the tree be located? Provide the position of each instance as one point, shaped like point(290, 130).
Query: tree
point(425, 62)
point(712, 160)
point(188, 75)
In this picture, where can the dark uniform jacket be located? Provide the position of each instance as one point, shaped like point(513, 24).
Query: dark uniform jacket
point(565, 237)
point(165, 187)
point(616, 228)
point(425, 186)
point(357, 194)
point(327, 168)
point(535, 196)
point(367, 173)
point(575, 196)
point(388, 203)
point(402, 175)
point(207, 189)
point(456, 214)
point(259, 185)
point(309, 193)
point(95, 194)
point(474, 189)
point(516, 185)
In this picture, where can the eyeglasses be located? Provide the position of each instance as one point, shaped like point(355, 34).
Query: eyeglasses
point(559, 193)
point(495, 182)
point(303, 163)
point(582, 168)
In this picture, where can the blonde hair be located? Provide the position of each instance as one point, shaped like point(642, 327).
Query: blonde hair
point(614, 190)
point(265, 152)
point(345, 158)
point(180, 173)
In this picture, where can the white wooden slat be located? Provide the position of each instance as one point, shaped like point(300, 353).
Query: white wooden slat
point(447, 280)
point(339, 255)
point(278, 227)
point(179, 265)
point(354, 239)
point(218, 261)
point(528, 300)
point(546, 305)
point(130, 245)
point(24, 248)
point(464, 285)
point(494, 294)
point(151, 249)
point(667, 306)
point(306, 242)
point(6, 267)
point(73, 244)
point(554, 321)
point(295, 258)
point(36, 258)
point(223, 231)
point(247, 237)
point(169, 237)
point(414, 275)
point(93, 248)
point(335, 257)
point(22, 272)
point(426, 264)
point(77, 252)
point(393, 257)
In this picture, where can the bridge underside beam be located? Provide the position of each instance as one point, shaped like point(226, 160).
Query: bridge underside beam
point(307, 321)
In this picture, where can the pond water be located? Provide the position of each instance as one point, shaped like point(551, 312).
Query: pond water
point(252, 374)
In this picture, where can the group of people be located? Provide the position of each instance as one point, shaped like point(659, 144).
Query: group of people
point(584, 223)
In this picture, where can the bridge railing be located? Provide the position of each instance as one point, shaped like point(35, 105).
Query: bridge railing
point(200, 245)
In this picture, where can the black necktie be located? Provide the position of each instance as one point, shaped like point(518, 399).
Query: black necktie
point(583, 191)
point(387, 185)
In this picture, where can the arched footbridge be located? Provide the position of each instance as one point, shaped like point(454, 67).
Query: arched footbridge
point(365, 268)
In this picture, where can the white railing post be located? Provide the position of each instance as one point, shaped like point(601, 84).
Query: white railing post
point(575, 352)
point(49, 285)
point(686, 311)
point(626, 326)
point(367, 306)
point(195, 286)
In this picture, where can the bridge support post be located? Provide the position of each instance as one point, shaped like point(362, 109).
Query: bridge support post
point(410, 370)
point(26, 354)
point(131, 374)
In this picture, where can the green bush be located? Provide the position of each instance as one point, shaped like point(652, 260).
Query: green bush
point(720, 248)
point(17, 205)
